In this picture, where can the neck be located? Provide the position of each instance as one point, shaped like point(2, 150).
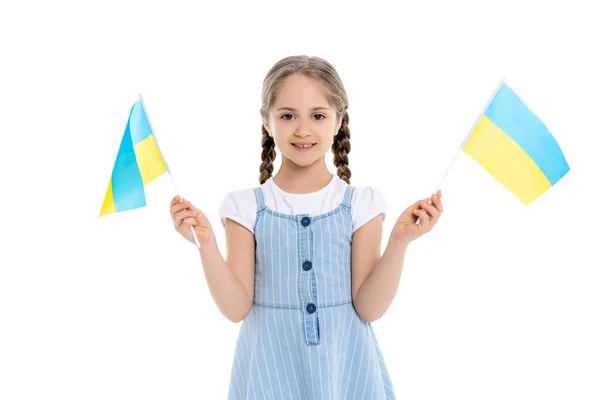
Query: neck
point(293, 178)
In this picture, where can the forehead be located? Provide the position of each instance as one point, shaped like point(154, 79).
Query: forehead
point(301, 91)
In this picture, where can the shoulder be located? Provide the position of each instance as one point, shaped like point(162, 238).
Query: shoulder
point(367, 193)
point(240, 206)
point(239, 195)
point(367, 202)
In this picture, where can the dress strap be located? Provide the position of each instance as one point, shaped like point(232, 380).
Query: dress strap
point(348, 196)
point(259, 198)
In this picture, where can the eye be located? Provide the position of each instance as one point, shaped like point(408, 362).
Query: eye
point(288, 119)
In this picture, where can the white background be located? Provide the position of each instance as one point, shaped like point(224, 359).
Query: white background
point(500, 301)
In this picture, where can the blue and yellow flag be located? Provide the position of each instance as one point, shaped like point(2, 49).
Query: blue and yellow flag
point(138, 163)
point(515, 147)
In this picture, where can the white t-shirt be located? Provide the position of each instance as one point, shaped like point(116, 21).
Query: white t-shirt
point(240, 205)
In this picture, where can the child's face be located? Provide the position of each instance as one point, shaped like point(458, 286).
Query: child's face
point(301, 122)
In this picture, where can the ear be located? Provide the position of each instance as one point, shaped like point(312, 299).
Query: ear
point(266, 125)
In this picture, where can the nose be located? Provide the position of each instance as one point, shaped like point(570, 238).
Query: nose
point(303, 129)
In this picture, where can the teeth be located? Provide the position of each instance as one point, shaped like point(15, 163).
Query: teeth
point(303, 145)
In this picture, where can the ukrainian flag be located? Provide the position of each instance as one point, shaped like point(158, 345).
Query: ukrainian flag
point(515, 147)
point(138, 163)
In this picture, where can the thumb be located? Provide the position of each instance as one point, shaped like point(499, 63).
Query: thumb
point(202, 219)
point(203, 229)
point(203, 233)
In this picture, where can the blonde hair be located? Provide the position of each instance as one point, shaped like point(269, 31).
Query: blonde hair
point(322, 71)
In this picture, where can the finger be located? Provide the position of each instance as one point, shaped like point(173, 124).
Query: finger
point(202, 220)
point(193, 207)
point(415, 205)
point(186, 223)
point(431, 210)
point(424, 222)
point(190, 206)
point(437, 202)
point(183, 214)
point(175, 200)
point(179, 206)
point(424, 217)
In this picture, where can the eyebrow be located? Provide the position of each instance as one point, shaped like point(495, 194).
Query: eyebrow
point(313, 109)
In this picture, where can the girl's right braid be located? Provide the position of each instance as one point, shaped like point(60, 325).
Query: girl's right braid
point(267, 156)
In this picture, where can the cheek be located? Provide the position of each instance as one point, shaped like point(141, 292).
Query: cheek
point(328, 135)
point(327, 139)
point(281, 130)
point(280, 139)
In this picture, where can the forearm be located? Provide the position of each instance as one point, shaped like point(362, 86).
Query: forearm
point(227, 291)
point(379, 289)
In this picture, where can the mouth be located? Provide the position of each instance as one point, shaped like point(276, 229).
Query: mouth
point(303, 145)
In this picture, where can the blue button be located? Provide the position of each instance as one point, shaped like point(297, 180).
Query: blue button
point(305, 221)
point(307, 265)
point(311, 308)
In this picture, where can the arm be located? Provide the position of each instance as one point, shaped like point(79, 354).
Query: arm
point(231, 282)
point(375, 278)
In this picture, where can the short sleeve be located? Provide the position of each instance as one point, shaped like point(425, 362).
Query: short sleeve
point(367, 203)
point(240, 206)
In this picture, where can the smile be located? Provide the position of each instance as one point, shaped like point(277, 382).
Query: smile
point(303, 147)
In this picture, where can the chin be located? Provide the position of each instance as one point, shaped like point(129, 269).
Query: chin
point(303, 161)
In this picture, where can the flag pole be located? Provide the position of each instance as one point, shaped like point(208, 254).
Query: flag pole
point(439, 185)
point(167, 165)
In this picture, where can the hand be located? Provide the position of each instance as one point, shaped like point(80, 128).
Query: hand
point(184, 215)
point(406, 229)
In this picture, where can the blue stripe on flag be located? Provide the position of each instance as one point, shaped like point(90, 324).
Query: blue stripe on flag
point(513, 117)
point(139, 126)
point(127, 184)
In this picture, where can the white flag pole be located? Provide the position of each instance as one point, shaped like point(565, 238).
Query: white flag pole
point(466, 140)
point(167, 165)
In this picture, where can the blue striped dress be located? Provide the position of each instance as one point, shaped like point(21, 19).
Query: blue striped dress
point(302, 338)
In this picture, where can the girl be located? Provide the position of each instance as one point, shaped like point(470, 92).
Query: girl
point(303, 269)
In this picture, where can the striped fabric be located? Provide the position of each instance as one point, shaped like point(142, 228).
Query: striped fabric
point(303, 338)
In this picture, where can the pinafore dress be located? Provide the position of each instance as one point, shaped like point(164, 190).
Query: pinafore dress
point(302, 338)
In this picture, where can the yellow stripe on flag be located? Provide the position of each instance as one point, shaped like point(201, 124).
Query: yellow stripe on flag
point(108, 206)
point(150, 162)
point(506, 161)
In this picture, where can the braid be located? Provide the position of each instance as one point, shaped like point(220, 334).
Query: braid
point(341, 148)
point(267, 156)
